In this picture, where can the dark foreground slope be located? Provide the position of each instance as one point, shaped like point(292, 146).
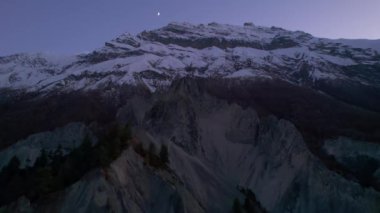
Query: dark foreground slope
point(263, 144)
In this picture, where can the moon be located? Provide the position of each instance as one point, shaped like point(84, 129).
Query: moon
point(158, 13)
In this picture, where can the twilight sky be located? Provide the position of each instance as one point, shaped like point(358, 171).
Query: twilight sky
point(74, 26)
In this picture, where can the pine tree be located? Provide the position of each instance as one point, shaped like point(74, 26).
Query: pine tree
point(44, 181)
point(164, 154)
point(151, 154)
point(125, 134)
point(139, 149)
point(152, 148)
point(102, 156)
point(237, 207)
point(13, 166)
point(42, 160)
point(57, 159)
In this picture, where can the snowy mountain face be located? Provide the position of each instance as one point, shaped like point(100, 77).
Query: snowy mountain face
point(276, 120)
point(155, 58)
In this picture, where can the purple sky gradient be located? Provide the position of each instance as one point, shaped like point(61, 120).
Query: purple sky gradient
point(74, 26)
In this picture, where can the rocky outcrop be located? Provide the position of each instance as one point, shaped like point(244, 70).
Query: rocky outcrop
point(231, 147)
point(29, 149)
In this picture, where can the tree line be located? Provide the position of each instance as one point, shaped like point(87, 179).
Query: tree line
point(54, 171)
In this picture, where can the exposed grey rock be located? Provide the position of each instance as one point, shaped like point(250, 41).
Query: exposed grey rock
point(29, 149)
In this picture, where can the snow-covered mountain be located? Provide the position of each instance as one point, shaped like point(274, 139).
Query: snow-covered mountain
point(155, 58)
point(277, 120)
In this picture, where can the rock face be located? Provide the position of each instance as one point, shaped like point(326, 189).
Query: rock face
point(279, 119)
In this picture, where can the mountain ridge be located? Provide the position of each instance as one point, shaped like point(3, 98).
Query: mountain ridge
point(166, 53)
